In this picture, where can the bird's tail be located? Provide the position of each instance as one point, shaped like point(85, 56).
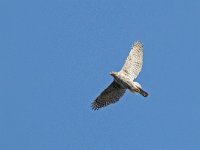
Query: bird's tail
point(143, 93)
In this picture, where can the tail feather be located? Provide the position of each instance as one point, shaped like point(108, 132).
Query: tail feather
point(143, 93)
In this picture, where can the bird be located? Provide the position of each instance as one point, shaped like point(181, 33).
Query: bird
point(123, 79)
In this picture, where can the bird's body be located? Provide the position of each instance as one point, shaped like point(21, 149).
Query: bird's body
point(125, 82)
point(123, 79)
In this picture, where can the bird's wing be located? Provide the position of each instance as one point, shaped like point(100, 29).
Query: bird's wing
point(110, 95)
point(133, 63)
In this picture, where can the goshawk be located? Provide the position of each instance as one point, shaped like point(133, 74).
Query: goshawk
point(123, 79)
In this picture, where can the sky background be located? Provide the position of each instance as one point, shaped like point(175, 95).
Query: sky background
point(55, 57)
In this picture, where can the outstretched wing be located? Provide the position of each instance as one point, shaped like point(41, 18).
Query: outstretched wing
point(110, 95)
point(133, 63)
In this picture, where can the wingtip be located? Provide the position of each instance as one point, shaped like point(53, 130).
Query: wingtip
point(94, 106)
point(138, 43)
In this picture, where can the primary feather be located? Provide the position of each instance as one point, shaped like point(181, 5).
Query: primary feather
point(110, 95)
point(133, 63)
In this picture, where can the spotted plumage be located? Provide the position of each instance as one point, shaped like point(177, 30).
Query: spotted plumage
point(123, 79)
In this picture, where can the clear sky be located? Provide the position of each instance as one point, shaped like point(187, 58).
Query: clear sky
point(55, 57)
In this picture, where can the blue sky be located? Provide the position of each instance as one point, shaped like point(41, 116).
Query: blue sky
point(55, 57)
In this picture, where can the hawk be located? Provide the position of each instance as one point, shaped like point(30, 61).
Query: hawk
point(124, 79)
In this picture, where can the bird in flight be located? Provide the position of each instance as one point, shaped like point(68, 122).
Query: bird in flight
point(123, 80)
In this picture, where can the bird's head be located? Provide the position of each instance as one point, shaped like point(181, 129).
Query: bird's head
point(114, 74)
